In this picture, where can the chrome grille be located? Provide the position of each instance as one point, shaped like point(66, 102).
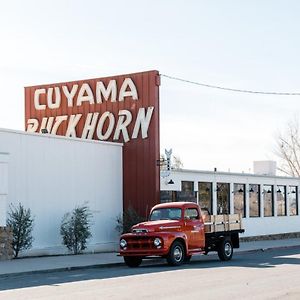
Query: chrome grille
point(140, 242)
point(139, 230)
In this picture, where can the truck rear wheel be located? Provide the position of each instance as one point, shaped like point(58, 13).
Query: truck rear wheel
point(176, 254)
point(132, 261)
point(225, 250)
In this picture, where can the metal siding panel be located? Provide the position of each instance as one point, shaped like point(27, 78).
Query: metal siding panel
point(64, 109)
point(147, 151)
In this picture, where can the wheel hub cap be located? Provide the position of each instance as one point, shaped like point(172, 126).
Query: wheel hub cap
point(177, 253)
point(228, 249)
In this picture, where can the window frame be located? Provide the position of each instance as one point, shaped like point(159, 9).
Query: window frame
point(239, 193)
point(228, 197)
point(297, 200)
point(284, 199)
point(210, 191)
point(258, 193)
point(265, 191)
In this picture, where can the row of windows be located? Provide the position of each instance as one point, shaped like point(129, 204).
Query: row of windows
point(205, 193)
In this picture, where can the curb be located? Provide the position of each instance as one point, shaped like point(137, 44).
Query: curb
point(96, 266)
point(267, 249)
point(118, 264)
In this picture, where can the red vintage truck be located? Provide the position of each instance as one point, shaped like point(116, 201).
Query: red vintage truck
point(178, 230)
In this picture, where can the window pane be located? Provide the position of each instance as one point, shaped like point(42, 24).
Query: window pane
point(191, 214)
point(187, 192)
point(281, 200)
point(166, 214)
point(239, 198)
point(293, 199)
point(167, 196)
point(223, 198)
point(254, 200)
point(186, 196)
point(268, 201)
point(205, 197)
point(187, 186)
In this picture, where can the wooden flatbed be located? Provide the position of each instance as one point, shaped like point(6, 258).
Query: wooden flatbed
point(221, 223)
point(222, 226)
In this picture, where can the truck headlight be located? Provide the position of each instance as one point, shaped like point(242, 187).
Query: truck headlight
point(123, 243)
point(157, 242)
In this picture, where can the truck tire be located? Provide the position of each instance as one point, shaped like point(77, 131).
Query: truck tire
point(176, 254)
point(132, 261)
point(225, 249)
point(187, 258)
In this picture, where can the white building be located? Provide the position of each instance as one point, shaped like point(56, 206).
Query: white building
point(52, 175)
point(269, 204)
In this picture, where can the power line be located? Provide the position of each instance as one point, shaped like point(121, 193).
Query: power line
point(230, 89)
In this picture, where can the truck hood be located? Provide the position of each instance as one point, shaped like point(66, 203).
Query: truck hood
point(154, 226)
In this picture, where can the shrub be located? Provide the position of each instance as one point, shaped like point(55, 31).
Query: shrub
point(21, 222)
point(75, 229)
point(127, 219)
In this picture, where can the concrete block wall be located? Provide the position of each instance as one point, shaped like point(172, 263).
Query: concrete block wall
point(6, 251)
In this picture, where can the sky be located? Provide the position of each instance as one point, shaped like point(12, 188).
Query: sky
point(251, 45)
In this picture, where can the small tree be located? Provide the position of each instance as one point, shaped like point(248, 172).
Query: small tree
point(175, 162)
point(76, 229)
point(127, 219)
point(21, 222)
point(288, 149)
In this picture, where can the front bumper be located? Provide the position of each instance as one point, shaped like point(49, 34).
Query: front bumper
point(144, 253)
point(142, 245)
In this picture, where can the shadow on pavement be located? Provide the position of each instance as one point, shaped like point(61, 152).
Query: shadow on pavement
point(258, 259)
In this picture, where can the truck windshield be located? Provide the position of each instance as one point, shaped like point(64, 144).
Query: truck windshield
point(165, 214)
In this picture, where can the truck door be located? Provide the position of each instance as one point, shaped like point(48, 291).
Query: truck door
point(194, 228)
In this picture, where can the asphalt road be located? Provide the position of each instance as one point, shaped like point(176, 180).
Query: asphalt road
point(272, 274)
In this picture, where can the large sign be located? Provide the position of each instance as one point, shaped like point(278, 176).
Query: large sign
point(121, 108)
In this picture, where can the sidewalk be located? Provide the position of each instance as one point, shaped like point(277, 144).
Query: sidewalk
point(69, 262)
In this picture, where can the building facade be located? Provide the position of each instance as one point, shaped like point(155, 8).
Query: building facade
point(268, 204)
point(52, 175)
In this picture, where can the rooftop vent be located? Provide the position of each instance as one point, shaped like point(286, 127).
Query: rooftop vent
point(264, 167)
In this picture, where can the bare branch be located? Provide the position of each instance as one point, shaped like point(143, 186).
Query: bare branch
point(288, 149)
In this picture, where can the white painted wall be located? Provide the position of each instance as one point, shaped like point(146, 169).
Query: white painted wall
point(51, 175)
point(253, 226)
point(3, 187)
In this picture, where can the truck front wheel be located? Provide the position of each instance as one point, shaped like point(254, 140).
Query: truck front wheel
point(225, 250)
point(132, 261)
point(176, 254)
point(187, 258)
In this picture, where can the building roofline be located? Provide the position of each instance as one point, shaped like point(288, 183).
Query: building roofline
point(232, 174)
point(89, 79)
point(61, 137)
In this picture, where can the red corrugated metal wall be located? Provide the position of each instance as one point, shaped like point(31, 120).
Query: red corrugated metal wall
point(140, 171)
